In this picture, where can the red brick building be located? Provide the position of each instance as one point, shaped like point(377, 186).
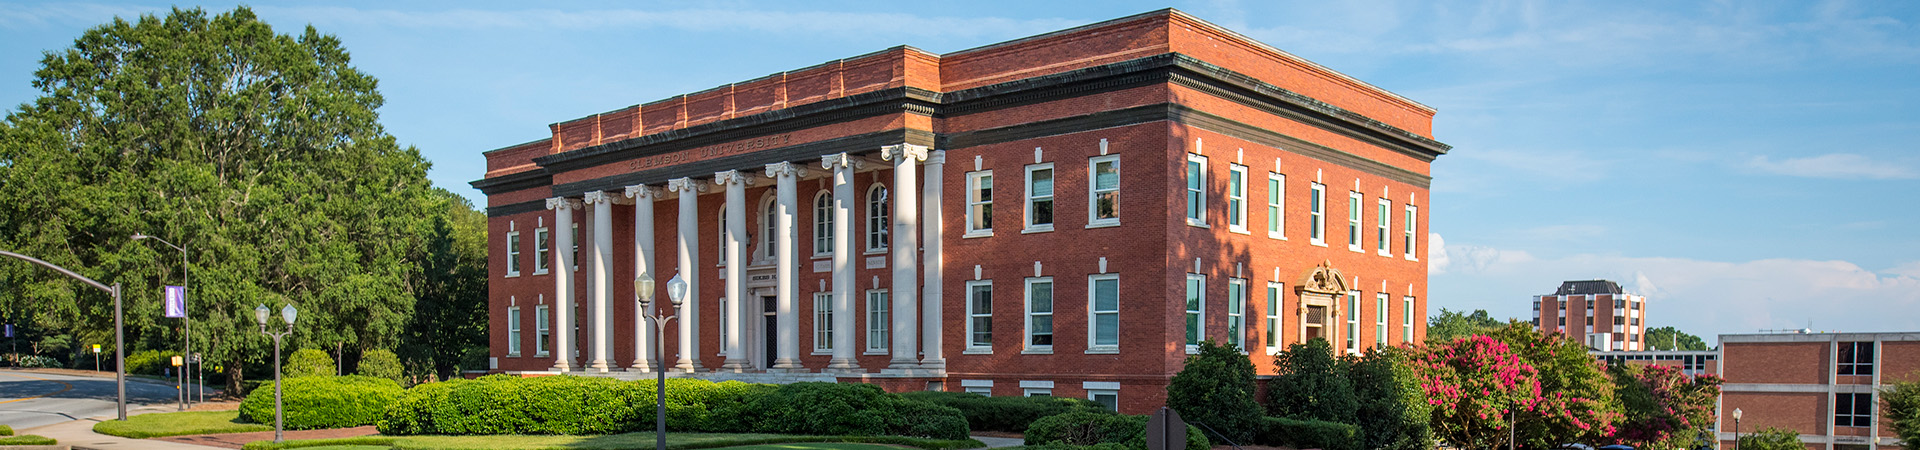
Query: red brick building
point(1597, 312)
point(1063, 214)
point(1823, 385)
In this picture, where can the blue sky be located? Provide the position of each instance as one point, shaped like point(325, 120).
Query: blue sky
point(1746, 165)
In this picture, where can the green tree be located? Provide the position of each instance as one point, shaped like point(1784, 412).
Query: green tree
point(1900, 404)
point(1664, 408)
point(450, 312)
point(1312, 385)
point(1772, 438)
point(1669, 338)
point(262, 152)
point(1215, 388)
point(309, 362)
point(381, 364)
point(1450, 325)
point(1393, 412)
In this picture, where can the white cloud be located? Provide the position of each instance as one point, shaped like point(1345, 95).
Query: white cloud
point(1437, 259)
point(1832, 165)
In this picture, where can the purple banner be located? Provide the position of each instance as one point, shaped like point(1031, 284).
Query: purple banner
point(176, 301)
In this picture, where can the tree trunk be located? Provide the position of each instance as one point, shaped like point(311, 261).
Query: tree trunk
point(234, 379)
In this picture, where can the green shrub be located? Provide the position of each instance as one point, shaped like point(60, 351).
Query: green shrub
point(308, 362)
point(147, 362)
point(381, 364)
point(1215, 388)
point(1081, 430)
point(856, 409)
point(1394, 412)
point(1008, 414)
point(1281, 431)
point(1312, 385)
point(1900, 404)
point(315, 402)
point(6, 430)
point(27, 439)
point(1772, 438)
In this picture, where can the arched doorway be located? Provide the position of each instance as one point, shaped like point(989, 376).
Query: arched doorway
point(1320, 291)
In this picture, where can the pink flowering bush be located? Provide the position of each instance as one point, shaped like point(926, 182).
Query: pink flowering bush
point(1474, 384)
point(1665, 407)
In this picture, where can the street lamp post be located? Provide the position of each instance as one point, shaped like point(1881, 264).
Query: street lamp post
point(676, 293)
point(119, 329)
point(287, 313)
point(1736, 429)
point(185, 285)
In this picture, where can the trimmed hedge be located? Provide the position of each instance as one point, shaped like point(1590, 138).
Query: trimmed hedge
point(316, 402)
point(1081, 430)
point(6, 430)
point(502, 404)
point(309, 362)
point(381, 364)
point(1281, 431)
point(1009, 414)
point(28, 439)
point(432, 442)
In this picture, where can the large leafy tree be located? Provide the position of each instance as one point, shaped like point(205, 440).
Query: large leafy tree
point(1579, 405)
point(1664, 407)
point(450, 313)
point(1450, 325)
point(1394, 412)
point(1313, 384)
point(1215, 388)
point(261, 152)
point(1670, 338)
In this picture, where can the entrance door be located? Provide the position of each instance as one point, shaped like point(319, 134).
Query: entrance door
point(771, 328)
point(1316, 319)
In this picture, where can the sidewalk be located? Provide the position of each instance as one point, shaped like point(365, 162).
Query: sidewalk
point(80, 435)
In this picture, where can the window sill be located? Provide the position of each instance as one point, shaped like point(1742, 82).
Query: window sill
point(827, 352)
point(1273, 351)
point(874, 353)
point(1274, 235)
point(977, 234)
point(1411, 258)
point(977, 351)
point(1238, 230)
point(874, 252)
point(1318, 243)
point(1103, 350)
point(1048, 350)
point(1196, 223)
point(1106, 223)
point(542, 355)
point(1193, 349)
point(1048, 228)
point(822, 256)
point(512, 355)
point(1386, 253)
point(539, 272)
point(512, 275)
point(1356, 249)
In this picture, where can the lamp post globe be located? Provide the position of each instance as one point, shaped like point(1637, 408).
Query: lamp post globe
point(643, 289)
point(1736, 429)
point(676, 290)
point(260, 314)
point(289, 314)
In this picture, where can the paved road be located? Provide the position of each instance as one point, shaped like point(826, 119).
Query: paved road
point(31, 399)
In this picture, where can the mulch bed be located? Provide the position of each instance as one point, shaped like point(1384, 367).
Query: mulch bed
point(236, 440)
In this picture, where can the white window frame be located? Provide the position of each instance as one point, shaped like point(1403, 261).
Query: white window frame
point(1094, 313)
point(542, 249)
point(1031, 388)
point(979, 206)
point(513, 331)
point(1094, 191)
point(1237, 198)
point(1353, 222)
point(1382, 241)
point(1196, 312)
point(1276, 307)
point(975, 314)
point(1094, 396)
point(1036, 392)
point(879, 314)
point(769, 228)
point(1353, 322)
point(981, 390)
point(542, 330)
point(1406, 319)
point(513, 254)
point(1032, 315)
point(1317, 215)
point(1196, 189)
point(879, 218)
point(823, 323)
point(1237, 313)
point(1033, 199)
point(1380, 319)
point(723, 326)
point(721, 247)
point(823, 223)
point(1276, 205)
point(1413, 216)
point(576, 246)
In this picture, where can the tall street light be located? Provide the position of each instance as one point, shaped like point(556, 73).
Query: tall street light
point(676, 293)
point(187, 317)
point(260, 315)
point(119, 329)
point(1736, 429)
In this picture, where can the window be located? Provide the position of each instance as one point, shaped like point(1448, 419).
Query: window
point(723, 324)
point(1040, 314)
point(1856, 358)
point(1274, 303)
point(1353, 321)
point(541, 247)
point(513, 253)
point(878, 219)
point(1317, 209)
point(513, 331)
point(1040, 197)
point(823, 223)
point(1406, 319)
point(1353, 221)
point(980, 315)
point(576, 247)
point(542, 329)
point(982, 390)
point(1104, 192)
point(980, 203)
point(1276, 205)
point(1196, 190)
point(1103, 322)
point(1107, 398)
point(877, 317)
point(1038, 392)
point(1852, 410)
point(822, 322)
point(1380, 320)
point(1237, 313)
point(769, 228)
point(724, 242)
point(1237, 198)
point(1386, 219)
point(1408, 236)
point(1196, 309)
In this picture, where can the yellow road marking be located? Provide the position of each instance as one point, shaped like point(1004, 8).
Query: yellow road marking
point(63, 388)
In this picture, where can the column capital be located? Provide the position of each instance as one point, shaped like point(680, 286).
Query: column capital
point(903, 152)
point(596, 197)
point(838, 160)
point(730, 178)
point(643, 192)
point(786, 169)
point(562, 203)
point(937, 157)
point(685, 185)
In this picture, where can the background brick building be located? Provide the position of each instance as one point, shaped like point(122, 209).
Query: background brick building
point(1064, 214)
point(1823, 385)
point(1597, 312)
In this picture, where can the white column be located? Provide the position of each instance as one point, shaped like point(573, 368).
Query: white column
point(643, 197)
point(786, 266)
point(736, 242)
point(842, 166)
point(905, 249)
point(930, 304)
point(562, 281)
point(689, 248)
point(602, 261)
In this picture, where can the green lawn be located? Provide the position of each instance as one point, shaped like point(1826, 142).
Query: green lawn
point(26, 439)
point(178, 424)
point(678, 441)
point(816, 446)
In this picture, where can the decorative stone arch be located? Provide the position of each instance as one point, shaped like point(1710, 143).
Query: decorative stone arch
point(1319, 291)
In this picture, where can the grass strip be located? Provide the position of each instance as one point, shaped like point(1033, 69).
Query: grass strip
point(675, 441)
point(178, 424)
point(27, 439)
